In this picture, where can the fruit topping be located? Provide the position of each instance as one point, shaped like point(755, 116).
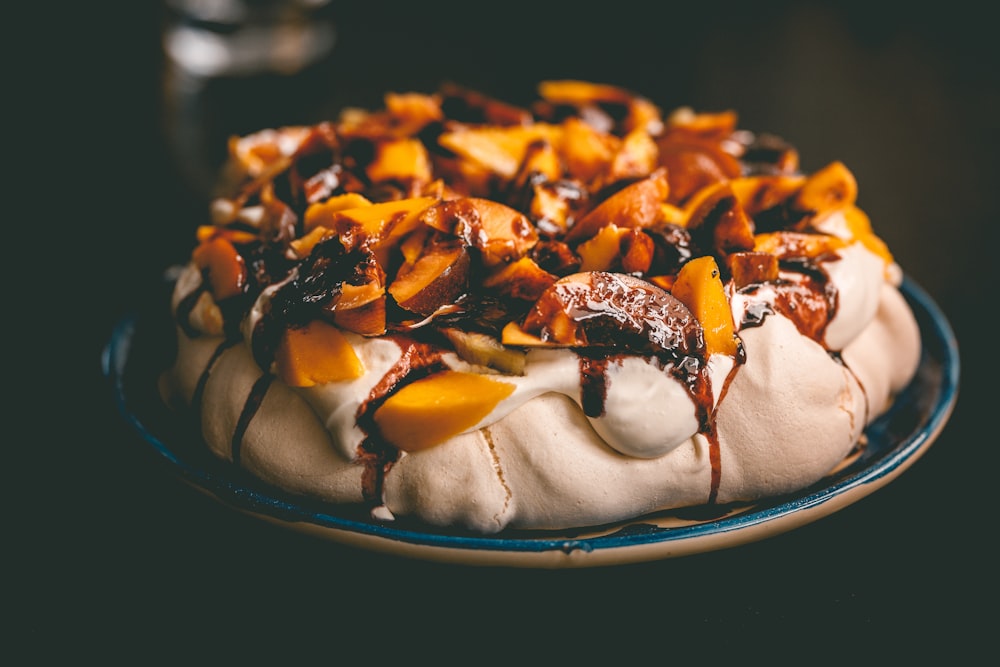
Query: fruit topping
point(428, 411)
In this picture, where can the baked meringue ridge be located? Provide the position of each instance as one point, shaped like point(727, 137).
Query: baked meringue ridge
point(479, 316)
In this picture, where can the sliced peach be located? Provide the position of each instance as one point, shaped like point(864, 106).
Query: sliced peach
point(436, 279)
point(785, 244)
point(613, 309)
point(860, 227)
point(522, 279)
point(227, 270)
point(355, 296)
point(601, 251)
point(499, 149)
point(699, 287)
point(762, 192)
point(372, 221)
point(694, 162)
point(637, 250)
point(303, 245)
point(208, 232)
point(636, 205)
point(643, 114)
point(413, 111)
point(586, 151)
point(433, 409)
point(515, 335)
point(636, 157)
point(717, 222)
point(366, 320)
point(831, 187)
point(499, 232)
point(314, 354)
point(540, 159)
point(320, 214)
point(402, 160)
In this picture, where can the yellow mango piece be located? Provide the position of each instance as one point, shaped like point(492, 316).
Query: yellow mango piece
point(316, 354)
point(400, 159)
point(860, 227)
point(499, 149)
point(599, 252)
point(699, 287)
point(321, 213)
point(433, 409)
point(304, 245)
point(831, 187)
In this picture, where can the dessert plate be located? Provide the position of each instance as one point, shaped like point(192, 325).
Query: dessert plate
point(140, 345)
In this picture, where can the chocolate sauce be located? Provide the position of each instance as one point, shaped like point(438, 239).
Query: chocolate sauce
point(418, 360)
point(250, 407)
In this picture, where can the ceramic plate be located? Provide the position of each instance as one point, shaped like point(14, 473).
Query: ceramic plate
point(139, 347)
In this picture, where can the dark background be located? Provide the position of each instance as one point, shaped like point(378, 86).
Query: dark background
point(115, 558)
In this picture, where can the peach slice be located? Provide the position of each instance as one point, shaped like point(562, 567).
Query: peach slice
point(586, 151)
point(643, 115)
point(636, 157)
point(209, 232)
point(612, 309)
point(499, 232)
point(636, 205)
point(438, 277)
point(227, 270)
point(378, 223)
point(602, 250)
point(831, 187)
point(314, 354)
point(499, 149)
point(403, 160)
point(433, 409)
point(366, 320)
point(717, 222)
point(522, 279)
point(785, 244)
point(699, 287)
point(860, 226)
point(763, 192)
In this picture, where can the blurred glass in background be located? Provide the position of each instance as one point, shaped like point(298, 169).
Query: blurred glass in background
point(231, 67)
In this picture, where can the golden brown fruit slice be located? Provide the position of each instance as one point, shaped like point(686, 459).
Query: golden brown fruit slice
point(314, 354)
point(438, 277)
point(613, 309)
point(501, 233)
point(784, 245)
point(636, 205)
point(522, 279)
point(376, 224)
point(499, 149)
point(699, 287)
point(717, 222)
point(366, 320)
point(226, 268)
point(833, 186)
point(403, 160)
point(428, 411)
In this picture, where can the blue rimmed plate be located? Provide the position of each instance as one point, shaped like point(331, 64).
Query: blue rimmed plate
point(139, 347)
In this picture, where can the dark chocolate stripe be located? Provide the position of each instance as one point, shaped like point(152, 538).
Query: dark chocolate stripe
point(254, 399)
point(199, 389)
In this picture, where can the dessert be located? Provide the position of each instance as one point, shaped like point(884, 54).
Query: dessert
point(479, 316)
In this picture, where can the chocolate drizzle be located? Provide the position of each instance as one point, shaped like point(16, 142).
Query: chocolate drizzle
point(250, 408)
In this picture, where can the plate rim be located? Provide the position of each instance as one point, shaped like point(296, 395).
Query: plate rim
point(565, 551)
